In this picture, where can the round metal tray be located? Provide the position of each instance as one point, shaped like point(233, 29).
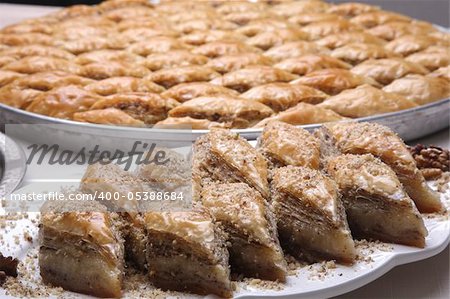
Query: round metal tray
point(409, 124)
point(12, 165)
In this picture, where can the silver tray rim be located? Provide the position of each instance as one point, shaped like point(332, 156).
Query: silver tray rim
point(43, 119)
point(9, 183)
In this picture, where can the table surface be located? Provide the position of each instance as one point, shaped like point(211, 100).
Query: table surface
point(425, 279)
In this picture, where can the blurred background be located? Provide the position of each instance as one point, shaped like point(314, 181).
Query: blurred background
point(435, 11)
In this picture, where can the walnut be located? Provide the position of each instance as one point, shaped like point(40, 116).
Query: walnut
point(432, 160)
point(8, 265)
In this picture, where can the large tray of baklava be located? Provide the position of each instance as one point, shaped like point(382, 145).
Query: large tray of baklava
point(231, 64)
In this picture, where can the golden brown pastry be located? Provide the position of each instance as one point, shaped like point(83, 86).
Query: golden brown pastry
point(187, 253)
point(246, 78)
point(409, 44)
point(105, 56)
point(115, 85)
point(375, 18)
point(252, 230)
point(63, 102)
point(244, 17)
point(147, 107)
point(200, 37)
point(385, 71)
point(263, 25)
point(281, 96)
point(240, 113)
point(229, 7)
point(341, 39)
point(205, 24)
point(420, 89)
point(377, 206)
point(37, 50)
point(81, 249)
point(283, 144)
point(311, 217)
point(182, 17)
point(26, 27)
point(303, 114)
point(221, 48)
point(393, 30)
point(17, 95)
point(188, 91)
point(366, 100)
point(7, 77)
point(172, 59)
point(352, 9)
point(380, 141)
point(35, 64)
point(311, 62)
point(104, 70)
point(224, 156)
point(273, 38)
point(443, 72)
point(321, 29)
point(25, 39)
point(79, 32)
point(108, 116)
point(229, 63)
point(89, 44)
point(115, 4)
point(157, 44)
point(294, 49)
point(308, 18)
point(189, 123)
point(356, 53)
point(333, 81)
point(297, 7)
point(173, 76)
point(4, 60)
point(432, 58)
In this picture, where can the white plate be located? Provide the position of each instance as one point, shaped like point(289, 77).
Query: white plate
point(304, 284)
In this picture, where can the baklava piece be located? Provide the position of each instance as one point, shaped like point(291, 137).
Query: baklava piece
point(303, 114)
point(157, 44)
point(81, 249)
point(263, 25)
point(305, 64)
point(351, 9)
point(443, 72)
point(189, 123)
point(246, 78)
point(377, 206)
point(37, 50)
point(223, 156)
point(375, 18)
point(341, 39)
point(281, 96)
point(173, 76)
point(204, 24)
point(311, 218)
point(432, 58)
point(172, 59)
point(115, 85)
point(380, 141)
point(106, 56)
point(410, 44)
point(269, 39)
point(187, 91)
point(356, 53)
point(102, 70)
point(186, 251)
point(7, 77)
point(292, 8)
point(294, 49)
point(366, 100)
point(240, 113)
point(420, 89)
point(283, 144)
point(308, 18)
point(393, 30)
point(108, 116)
point(333, 81)
point(250, 223)
point(25, 39)
point(36, 64)
point(321, 29)
point(229, 63)
point(201, 37)
point(63, 102)
point(147, 107)
point(385, 71)
point(221, 48)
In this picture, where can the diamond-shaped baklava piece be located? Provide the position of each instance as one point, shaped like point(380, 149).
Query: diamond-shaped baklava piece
point(186, 251)
point(376, 204)
point(380, 141)
point(188, 91)
point(311, 62)
point(250, 223)
point(283, 144)
point(173, 76)
point(81, 249)
point(234, 62)
point(311, 217)
point(223, 156)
